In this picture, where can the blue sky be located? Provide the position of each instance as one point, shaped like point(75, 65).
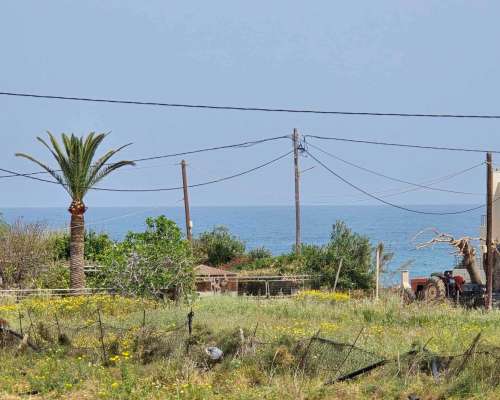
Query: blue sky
point(396, 56)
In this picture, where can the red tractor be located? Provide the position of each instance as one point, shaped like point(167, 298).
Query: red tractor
point(451, 284)
point(438, 286)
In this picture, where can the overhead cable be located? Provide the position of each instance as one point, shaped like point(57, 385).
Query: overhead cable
point(158, 189)
point(385, 201)
point(241, 108)
point(397, 179)
point(414, 146)
point(398, 191)
point(229, 146)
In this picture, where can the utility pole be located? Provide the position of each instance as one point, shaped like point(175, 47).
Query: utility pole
point(489, 231)
point(189, 226)
point(296, 142)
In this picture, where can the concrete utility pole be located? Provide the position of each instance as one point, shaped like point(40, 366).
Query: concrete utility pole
point(296, 142)
point(189, 224)
point(489, 231)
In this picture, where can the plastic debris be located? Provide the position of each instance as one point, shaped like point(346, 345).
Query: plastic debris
point(214, 353)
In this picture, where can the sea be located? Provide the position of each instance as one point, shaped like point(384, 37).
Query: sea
point(274, 227)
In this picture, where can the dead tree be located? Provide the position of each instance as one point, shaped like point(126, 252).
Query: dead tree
point(463, 248)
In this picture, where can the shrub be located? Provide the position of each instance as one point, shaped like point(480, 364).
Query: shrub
point(353, 249)
point(259, 253)
point(219, 246)
point(150, 263)
point(25, 253)
point(285, 264)
point(55, 276)
point(95, 245)
point(258, 264)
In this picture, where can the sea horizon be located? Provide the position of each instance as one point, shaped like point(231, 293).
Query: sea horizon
point(273, 226)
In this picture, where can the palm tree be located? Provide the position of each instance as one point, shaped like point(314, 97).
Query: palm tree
point(77, 174)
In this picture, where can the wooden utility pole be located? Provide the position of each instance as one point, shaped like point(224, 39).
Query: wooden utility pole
point(189, 226)
point(296, 142)
point(489, 231)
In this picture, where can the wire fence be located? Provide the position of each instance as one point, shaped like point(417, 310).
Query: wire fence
point(254, 286)
point(166, 332)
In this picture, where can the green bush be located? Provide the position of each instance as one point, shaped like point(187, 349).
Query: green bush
point(258, 264)
point(353, 249)
point(259, 253)
point(150, 263)
point(96, 244)
point(219, 246)
point(56, 276)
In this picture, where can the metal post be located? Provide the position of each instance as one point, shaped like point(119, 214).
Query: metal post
point(189, 233)
point(296, 141)
point(489, 231)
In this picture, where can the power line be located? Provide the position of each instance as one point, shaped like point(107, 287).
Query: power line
point(99, 222)
point(158, 189)
point(397, 191)
point(385, 201)
point(414, 146)
point(237, 145)
point(229, 146)
point(397, 179)
point(259, 109)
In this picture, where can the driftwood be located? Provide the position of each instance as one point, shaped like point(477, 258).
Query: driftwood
point(462, 246)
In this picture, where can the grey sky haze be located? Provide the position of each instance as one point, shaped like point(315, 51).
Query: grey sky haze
point(388, 56)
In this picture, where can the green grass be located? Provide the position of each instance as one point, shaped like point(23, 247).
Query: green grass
point(159, 360)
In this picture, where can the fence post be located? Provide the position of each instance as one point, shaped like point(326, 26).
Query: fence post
point(337, 275)
point(101, 330)
point(20, 323)
point(190, 321)
point(58, 327)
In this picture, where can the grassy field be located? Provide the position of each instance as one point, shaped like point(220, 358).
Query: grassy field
point(145, 351)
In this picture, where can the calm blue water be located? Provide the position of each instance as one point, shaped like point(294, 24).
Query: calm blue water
point(274, 227)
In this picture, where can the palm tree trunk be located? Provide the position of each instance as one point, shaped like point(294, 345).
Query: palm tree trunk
point(77, 240)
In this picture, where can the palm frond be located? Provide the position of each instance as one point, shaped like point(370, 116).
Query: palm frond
point(97, 166)
point(108, 169)
point(90, 146)
point(75, 158)
point(56, 152)
point(54, 174)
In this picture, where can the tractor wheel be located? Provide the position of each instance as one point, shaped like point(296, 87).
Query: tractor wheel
point(434, 290)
